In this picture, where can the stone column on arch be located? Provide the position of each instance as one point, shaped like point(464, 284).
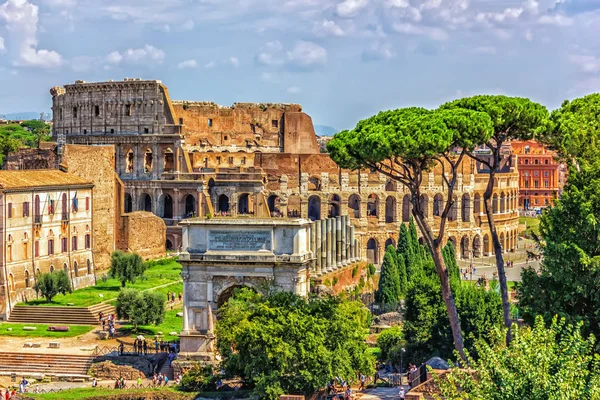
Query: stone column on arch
point(338, 236)
point(318, 248)
point(343, 247)
point(186, 277)
point(118, 161)
point(352, 244)
point(156, 158)
point(333, 244)
point(137, 166)
point(329, 250)
point(348, 240)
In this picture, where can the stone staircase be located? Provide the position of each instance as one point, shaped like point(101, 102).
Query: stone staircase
point(60, 366)
point(59, 315)
point(168, 371)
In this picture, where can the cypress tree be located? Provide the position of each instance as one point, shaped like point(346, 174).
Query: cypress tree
point(449, 255)
point(402, 275)
point(388, 291)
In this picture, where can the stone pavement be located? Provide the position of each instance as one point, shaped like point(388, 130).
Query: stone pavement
point(380, 393)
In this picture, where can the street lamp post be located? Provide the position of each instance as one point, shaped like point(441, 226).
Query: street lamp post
point(401, 363)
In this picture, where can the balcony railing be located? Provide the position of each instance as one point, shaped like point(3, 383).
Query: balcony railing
point(65, 216)
point(37, 219)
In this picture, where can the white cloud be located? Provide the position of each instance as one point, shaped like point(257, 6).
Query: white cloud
point(307, 54)
point(83, 63)
point(378, 51)
point(187, 25)
point(210, 65)
point(114, 58)
point(587, 62)
point(350, 8)
point(22, 19)
point(484, 50)
point(233, 61)
point(293, 90)
point(268, 77)
point(555, 19)
point(146, 54)
point(432, 32)
point(528, 35)
point(270, 54)
point(188, 64)
point(328, 28)
point(2, 48)
point(61, 3)
point(397, 3)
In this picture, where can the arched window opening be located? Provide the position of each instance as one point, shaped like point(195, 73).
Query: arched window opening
point(354, 206)
point(390, 242)
point(169, 163)
point(464, 247)
point(502, 203)
point(373, 205)
point(148, 161)
point(406, 208)
point(76, 269)
point(129, 162)
point(167, 206)
point(438, 205)
point(495, 203)
point(223, 204)
point(453, 214)
point(466, 208)
point(391, 186)
point(334, 206)
point(27, 282)
point(146, 202)
point(314, 208)
point(372, 251)
point(128, 203)
point(245, 204)
point(274, 205)
point(390, 210)
point(425, 205)
point(477, 204)
point(190, 206)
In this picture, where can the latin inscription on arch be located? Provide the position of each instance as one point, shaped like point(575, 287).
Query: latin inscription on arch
point(239, 240)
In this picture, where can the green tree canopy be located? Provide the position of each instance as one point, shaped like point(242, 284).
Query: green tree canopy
point(52, 283)
point(388, 339)
point(513, 118)
point(284, 344)
point(406, 143)
point(126, 267)
point(540, 363)
point(141, 308)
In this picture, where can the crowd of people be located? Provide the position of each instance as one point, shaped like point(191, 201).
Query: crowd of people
point(107, 321)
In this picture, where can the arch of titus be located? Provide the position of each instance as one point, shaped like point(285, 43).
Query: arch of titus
point(223, 254)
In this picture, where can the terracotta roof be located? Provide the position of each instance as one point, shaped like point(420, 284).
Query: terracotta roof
point(39, 178)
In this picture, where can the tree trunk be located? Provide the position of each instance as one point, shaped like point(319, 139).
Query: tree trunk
point(442, 271)
point(489, 211)
point(449, 300)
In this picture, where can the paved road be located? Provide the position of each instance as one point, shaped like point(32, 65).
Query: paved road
point(380, 393)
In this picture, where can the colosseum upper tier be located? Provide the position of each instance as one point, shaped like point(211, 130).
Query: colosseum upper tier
point(184, 158)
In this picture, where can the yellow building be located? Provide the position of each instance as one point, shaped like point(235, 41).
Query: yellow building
point(45, 224)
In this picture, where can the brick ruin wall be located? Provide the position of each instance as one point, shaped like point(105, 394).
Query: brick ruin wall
point(144, 233)
point(96, 163)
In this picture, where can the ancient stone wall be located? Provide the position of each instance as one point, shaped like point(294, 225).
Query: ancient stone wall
point(143, 233)
point(96, 163)
point(299, 134)
point(32, 159)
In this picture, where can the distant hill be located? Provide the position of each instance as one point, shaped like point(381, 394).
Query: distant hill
point(25, 115)
point(324, 130)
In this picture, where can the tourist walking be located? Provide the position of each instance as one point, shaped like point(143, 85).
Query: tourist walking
point(94, 383)
point(145, 348)
point(401, 393)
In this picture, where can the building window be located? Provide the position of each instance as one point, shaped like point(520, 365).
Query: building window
point(88, 241)
point(546, 202)
point(128, 110)
point(526, 149)
point(253, 128)
point(9, 248)
point(536, 161)
point(50, 247)
point(9, 206)
point(112, 131)
point(146, 130)
point(26, 209)
point(63, 245)
point(535, 201)
point(225, 137)
point(74, 243)
point(218, 160)
point(526, 161)
point(536, 173)
point(275, 123)
point(546, 184)
point(180, 121)
point(230, 160)
point(87, 204)
point(51, 207)
point(210, 122)
point(85, 131)
point(546, 173)
point(546, 162)
point(536, 184)
point(36, 248)
point(75, 206)
point(243, 161)
point(526, 184)
point(97, 111)
point(74, 112)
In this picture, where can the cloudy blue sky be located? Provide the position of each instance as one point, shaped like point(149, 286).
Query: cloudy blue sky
point(343, 60)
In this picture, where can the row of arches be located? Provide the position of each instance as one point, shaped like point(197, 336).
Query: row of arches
point(149, 161)
point(29, 279)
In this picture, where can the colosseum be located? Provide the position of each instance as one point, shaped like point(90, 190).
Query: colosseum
point(180, 159)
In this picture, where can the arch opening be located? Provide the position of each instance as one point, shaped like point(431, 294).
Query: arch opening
point(372, 251)
point(314, 208)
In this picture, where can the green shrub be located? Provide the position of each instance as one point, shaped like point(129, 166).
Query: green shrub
point(141, 308)
point(199, 378)
point(371, 270)
point(335, 280)
point(354, 271)
point(388, 339)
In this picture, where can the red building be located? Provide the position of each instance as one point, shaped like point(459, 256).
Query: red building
point(541, 175)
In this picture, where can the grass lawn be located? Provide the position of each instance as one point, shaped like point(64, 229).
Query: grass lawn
point(533, 224)
point(171, 323)
point(165, 393)
point(161, 273)
point(42, 331)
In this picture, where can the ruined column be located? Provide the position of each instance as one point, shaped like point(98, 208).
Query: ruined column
point(318, 248)
point(313, 238)
point(348, 240)
point(338, 236)
point(352, 245)
point(333, 244)
point(329, 246)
